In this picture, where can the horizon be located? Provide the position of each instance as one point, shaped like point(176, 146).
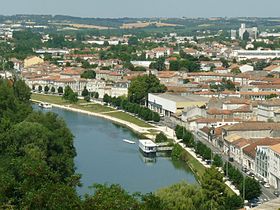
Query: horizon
point(123, 17)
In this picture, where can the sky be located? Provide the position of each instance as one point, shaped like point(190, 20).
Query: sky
point(144, 8)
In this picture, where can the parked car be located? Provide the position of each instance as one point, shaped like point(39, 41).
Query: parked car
point(276, 193)
point(262, 182)
point(266, 185)
point(251, 174)
point(230, 159)
point(208, 162)
point(244, 169)
point(252, 205)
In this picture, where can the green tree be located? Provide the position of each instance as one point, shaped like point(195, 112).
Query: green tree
point(128, 65)
point(152, 202)
point(224, 62)
point(88, 74)
point(188, 138)
point(252, 188)
point(235, 71)
point(139, 68)
point(69, 95)
point(156, 117)
point(246, 36)
point(46, 89)
point(110, 197)
point(60, 90)
point(174, 65)
point(21, 90)
point(273, 95)
point(189, 65)
point(40, 88)
point(53, 89)
point(260, 65)
point(85, 92)
point(182, 196)
point(106, 98)
point(158, 65)
point(141, 86)
point(217, 161)
point(161, 137)
point(85, 64)
point(234, 202)
point(133, 40)
point(214, 188)
point(177, 151)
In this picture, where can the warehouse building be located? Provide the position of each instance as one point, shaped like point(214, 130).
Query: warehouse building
point(173, 104)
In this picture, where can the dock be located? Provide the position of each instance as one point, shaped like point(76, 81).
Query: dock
point(164, 147)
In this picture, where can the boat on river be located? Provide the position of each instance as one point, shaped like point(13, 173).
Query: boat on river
point(128, 141)
point(45, 105)
point(147, 147)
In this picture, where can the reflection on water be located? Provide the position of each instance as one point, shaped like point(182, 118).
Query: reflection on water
point(103, 157)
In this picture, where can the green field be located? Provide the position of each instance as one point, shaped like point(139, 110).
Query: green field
point(50, 99)
point(129, 118)
point(97, 108)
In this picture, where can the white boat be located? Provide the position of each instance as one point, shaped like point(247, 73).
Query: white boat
point(128, 141)
point(45, 105)
point(147, 146)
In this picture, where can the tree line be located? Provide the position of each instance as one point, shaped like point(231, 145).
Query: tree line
point(252, 188)
point(141, 111)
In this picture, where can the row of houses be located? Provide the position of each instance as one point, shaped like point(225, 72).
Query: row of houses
point(253, 145)
point(247, 131)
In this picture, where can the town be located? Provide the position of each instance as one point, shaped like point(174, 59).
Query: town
point(220, 85)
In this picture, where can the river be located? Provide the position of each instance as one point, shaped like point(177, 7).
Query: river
point(102, 157)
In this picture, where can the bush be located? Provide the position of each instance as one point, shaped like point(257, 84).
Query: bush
point(217, 161)
point(252, 188)
point(161, 137)
point(203, 150)
point(176, 152)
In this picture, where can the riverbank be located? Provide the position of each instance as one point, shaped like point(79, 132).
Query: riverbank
point(198, 166)
point(140, 127)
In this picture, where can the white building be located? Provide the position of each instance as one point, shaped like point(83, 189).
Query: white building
point(274, 166)
point(261, 168)
point(246, 68)
point(253, 32)
point(266, 109)
point(172, 104)
point(258, 54)
point(233, 34)
point(159, 52)
point(145, 64)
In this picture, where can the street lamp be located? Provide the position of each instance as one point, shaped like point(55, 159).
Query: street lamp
point(243, 187)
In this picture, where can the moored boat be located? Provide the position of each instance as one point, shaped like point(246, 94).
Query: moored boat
point(45, 105)
point(147, 146)
point(128, 141)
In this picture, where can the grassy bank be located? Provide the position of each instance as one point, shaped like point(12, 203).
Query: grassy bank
point(91, 107)
point(194, 164)
point(50, 99)
point(127, 117)
point(197, 167)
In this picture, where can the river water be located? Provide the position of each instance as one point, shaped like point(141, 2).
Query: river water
point(102, 157)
